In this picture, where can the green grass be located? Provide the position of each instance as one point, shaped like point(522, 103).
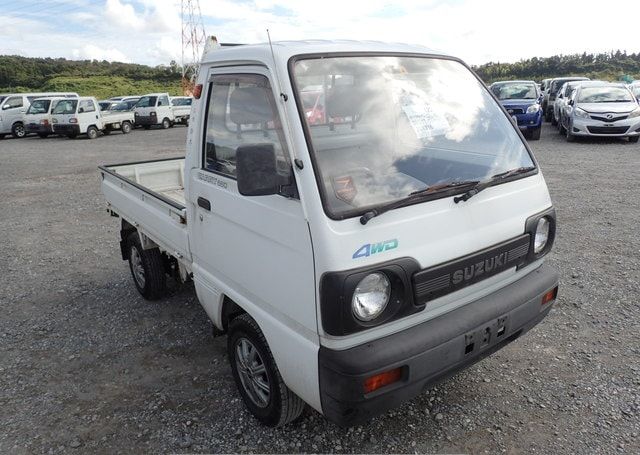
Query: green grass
point(102, 87)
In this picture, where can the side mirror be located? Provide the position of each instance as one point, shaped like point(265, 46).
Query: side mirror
point(257, 170)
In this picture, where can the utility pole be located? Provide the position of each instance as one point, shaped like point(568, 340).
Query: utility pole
point(193, 40)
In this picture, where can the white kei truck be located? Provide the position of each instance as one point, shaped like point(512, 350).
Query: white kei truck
point(361, 219)
point(74, 117)
point(155, 109)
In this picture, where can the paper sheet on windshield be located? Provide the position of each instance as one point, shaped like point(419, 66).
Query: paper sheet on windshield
point(424, 120)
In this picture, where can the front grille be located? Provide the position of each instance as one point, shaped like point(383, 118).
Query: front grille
point(608, 129)
point(451, 276)
point(609, 120)
point(515, 111)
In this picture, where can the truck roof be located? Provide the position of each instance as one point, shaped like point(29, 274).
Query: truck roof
point(287, 49)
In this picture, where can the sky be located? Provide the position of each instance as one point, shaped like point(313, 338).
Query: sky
point(478, 31)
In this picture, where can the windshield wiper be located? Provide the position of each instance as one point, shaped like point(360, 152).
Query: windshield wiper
point(490, 181)
point(416, 195)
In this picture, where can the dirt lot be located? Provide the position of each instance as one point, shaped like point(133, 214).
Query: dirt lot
point(86, 365)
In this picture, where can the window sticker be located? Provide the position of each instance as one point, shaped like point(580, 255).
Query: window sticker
point(424, 120)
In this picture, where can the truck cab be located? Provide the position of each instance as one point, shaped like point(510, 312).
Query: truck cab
point(356, 259)
point(154, 109)
point(14, 106)
point(38, 119)
point(82, 116)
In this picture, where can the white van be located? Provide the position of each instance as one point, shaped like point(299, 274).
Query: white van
point(154, 109)
point(15, 105)
point(356, 246)
point(73, 117)
point(38, 119)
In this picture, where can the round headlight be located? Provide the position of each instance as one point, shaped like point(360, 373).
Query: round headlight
point(542, 235)
point(371, 296)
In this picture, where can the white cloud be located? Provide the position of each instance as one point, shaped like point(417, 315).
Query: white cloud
point(93, 52)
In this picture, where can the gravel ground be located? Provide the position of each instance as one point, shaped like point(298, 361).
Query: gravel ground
point(88, 366)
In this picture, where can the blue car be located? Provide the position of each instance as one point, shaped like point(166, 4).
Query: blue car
point(521, 99)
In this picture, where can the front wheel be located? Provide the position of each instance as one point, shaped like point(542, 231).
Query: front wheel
point(257, 377)
point(166, 123)
point(147, 269)
point(18, 130)
point(92, 132)
point(633, 139)
point(126, 128)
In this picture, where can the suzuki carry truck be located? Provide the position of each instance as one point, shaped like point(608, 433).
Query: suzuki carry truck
point(357, 259)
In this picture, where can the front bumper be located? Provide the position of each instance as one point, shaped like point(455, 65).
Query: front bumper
point(65, 129)
point(146, 120)
point(38, 128)
point(529, 121)
point(431, 351)
point(591, 127)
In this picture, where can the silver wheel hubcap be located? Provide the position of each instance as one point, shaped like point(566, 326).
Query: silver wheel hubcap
point(136, 266)
point(252, 372)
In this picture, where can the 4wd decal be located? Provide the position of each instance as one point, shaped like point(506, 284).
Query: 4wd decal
point(375, 248)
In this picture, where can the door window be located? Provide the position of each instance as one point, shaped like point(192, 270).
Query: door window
point(87, 106)
point(241, 111)
point(13, 102)
point(163, 101)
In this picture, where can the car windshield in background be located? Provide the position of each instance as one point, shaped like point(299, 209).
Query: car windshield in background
point(121, 107)
point(39, 107)
point(636, 90)
point(515, 91)
point(604, 95)
point(66, 107)
point(147, 101)
point(383, 127)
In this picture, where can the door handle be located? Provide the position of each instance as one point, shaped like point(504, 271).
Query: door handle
point(204, 203)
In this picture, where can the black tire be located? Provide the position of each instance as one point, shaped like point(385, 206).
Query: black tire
point(633, 139)
point(282, 406)
point(18, 131)
point(535, 134)
point(166, 123)
point(152, 284)
point(43, 135)
point(146, 127)
point(126, 127)
point(92, 132)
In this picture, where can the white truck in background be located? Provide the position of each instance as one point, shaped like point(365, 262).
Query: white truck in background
point(13, 107)
point(154, 109)
point(38, 118)
point(74, 117)
point(354, 251)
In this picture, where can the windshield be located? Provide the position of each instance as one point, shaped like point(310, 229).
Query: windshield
point(383, 127)
point(557, 85)
point(147, 101)
point(121, 107)
point(39, 107)
point(604, 95)
point(66, 107)
point(515, 91)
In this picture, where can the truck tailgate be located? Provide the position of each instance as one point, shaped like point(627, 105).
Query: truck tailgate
point(150, 196)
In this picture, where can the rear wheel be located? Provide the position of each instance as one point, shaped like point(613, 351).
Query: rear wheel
point(126, 128)
point(92, 132)
point(18, 130)
point(147, 269)
point(166, 123)
point(256, 375)
point(633, 139)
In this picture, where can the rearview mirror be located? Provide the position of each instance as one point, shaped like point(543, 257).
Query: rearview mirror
point(257, 170)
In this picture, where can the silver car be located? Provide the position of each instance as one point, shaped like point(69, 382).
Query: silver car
point(563, 97)
point(606, 110)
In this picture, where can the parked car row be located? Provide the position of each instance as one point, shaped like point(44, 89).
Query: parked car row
point(576, 105)
point(71, 115)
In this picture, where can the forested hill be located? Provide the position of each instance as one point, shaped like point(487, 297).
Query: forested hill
point(87, 77)
point(607, 66)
